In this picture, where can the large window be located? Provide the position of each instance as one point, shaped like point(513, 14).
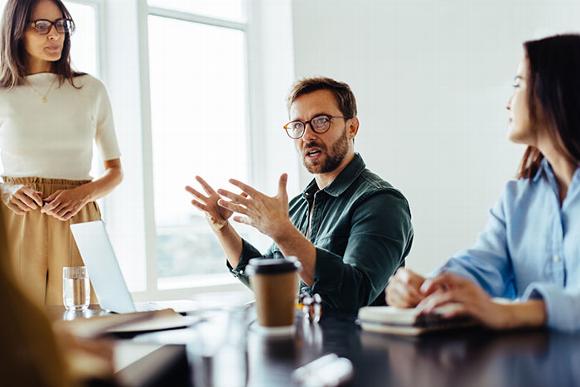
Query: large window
point(178, 79)
point(199, 125)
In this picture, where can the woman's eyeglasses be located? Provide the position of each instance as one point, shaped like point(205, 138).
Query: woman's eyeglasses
point(63, 26)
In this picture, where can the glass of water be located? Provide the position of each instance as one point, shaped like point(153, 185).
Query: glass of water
point(76, 291)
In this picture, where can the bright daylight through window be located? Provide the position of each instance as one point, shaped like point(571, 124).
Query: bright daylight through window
point(199, 127)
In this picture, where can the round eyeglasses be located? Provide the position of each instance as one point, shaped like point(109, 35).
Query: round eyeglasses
point(319, 124)
point(63, 26)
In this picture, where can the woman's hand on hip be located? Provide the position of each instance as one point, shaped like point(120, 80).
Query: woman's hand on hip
point(20, 198)
point(64, 204)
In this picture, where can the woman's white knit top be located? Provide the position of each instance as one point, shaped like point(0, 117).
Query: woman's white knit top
point(47, 130)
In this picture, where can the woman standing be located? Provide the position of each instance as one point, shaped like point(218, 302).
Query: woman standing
point(530, 249)
point(49, 118)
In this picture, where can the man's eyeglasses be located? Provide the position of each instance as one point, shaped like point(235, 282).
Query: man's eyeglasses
point(43, 26)
point(319, 124)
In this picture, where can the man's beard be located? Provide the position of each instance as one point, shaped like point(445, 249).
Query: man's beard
point(333, 159)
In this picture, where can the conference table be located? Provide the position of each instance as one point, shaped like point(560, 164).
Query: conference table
point(226, 348)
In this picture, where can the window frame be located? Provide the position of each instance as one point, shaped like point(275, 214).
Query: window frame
point(210, 283)
point(98, 6)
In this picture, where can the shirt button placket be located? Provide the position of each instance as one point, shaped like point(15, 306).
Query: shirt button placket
point(557, 245)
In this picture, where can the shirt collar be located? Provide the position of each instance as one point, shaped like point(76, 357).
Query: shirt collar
point(546, 169)
point(344, 179)
point(543, 169)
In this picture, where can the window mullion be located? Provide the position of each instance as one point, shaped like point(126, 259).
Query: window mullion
point(148, 178)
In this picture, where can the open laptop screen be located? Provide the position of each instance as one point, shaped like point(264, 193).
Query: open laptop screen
point(104, 271)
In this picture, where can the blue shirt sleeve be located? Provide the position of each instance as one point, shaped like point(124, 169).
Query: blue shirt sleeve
point(562, 305)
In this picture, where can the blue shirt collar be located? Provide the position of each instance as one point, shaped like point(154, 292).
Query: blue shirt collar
point(544, 168)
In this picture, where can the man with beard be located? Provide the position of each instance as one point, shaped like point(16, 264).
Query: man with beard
point(349, 229)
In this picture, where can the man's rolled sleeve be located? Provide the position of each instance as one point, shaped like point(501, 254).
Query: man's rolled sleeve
point(562, 306)
point(248, 252)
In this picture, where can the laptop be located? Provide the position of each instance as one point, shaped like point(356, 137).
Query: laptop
point(105, 274)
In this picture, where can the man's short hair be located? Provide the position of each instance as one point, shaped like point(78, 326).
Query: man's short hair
point(341, 91)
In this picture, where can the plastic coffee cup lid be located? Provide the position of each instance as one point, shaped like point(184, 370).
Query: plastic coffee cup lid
point(273, 265)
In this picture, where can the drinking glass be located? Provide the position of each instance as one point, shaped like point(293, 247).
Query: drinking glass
point(76, 293)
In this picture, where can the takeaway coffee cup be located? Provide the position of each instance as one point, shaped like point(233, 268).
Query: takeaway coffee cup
point(275, 284)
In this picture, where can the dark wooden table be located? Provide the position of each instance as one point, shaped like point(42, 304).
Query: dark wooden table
point(471, 357)
point(224, 348)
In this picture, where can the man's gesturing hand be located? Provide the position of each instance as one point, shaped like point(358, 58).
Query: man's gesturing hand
point(208, 204)
point(268, 214)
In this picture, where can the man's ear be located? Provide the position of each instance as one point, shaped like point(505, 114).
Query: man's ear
point(352, 128)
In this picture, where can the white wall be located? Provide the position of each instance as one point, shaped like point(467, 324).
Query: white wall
point(432, 79)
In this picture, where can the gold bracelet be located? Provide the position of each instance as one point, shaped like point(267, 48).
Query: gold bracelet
point(215, 224)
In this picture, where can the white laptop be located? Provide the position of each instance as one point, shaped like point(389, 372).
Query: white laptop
point(105, 274)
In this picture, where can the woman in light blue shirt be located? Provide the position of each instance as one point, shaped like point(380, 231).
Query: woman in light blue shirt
point(530, 248)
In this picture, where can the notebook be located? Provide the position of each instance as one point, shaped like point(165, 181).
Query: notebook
point(399, 321)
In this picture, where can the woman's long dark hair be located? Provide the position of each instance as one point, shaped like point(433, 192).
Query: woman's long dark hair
point(554, 96)
point(15, 21)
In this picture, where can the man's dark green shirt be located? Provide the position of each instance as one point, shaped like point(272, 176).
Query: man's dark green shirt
point(361, 228)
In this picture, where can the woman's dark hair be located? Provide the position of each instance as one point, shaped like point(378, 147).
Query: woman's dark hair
point(15, 21)
point(553, 96)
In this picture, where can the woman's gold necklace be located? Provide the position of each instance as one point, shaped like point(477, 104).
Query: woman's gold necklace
point(43, 97)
